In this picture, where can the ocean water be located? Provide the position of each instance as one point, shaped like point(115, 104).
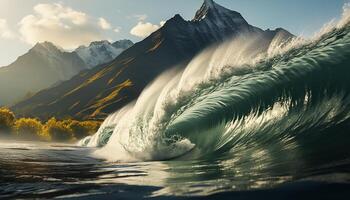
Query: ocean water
point(245, 119)
point(47, 171)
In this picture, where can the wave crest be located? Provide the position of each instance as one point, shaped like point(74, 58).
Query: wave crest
point(245, 95)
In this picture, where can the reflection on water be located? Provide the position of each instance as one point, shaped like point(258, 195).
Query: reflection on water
point(45, 171)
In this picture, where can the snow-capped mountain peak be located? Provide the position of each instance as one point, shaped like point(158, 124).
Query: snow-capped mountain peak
point(100, 52)
point(123, 44)
point(210, 3)
point(211, 11)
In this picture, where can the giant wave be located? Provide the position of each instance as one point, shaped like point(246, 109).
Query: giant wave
point(246, 99)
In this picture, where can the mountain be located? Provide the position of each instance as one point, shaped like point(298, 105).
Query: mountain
point(97, 92)
point(46, 64)
point(101, 52)
point(39, 68)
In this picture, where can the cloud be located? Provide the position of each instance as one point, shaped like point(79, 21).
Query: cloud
point(117, 29)
point(104, 24)
point(140, 17)
point(5, 31)
point(61, 25)
point(144, 29)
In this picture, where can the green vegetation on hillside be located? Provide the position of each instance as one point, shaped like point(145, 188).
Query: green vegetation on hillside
point(52, 130)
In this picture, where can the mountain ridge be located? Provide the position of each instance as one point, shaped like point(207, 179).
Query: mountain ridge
point(100, 52)
point(35, 70)
point(95, 93)
point(21, 79)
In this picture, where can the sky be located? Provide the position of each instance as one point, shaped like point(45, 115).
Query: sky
point(70, 23)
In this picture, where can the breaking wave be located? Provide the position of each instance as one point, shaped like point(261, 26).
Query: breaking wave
point(247, 98)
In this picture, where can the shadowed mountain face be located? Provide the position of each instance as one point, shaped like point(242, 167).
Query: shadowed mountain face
point(97, 92)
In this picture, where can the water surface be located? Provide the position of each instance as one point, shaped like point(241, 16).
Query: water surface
point(43, 170)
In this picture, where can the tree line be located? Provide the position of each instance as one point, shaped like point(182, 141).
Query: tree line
point(68, 130)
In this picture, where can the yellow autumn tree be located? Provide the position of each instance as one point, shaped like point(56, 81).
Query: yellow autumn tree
point(84, 128)
point(58, 130)
point(29, 128)
point(7, 120)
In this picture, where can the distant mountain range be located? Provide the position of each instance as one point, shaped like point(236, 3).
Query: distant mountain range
point(101, 52)
point(46, 64)
point(104, 89)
